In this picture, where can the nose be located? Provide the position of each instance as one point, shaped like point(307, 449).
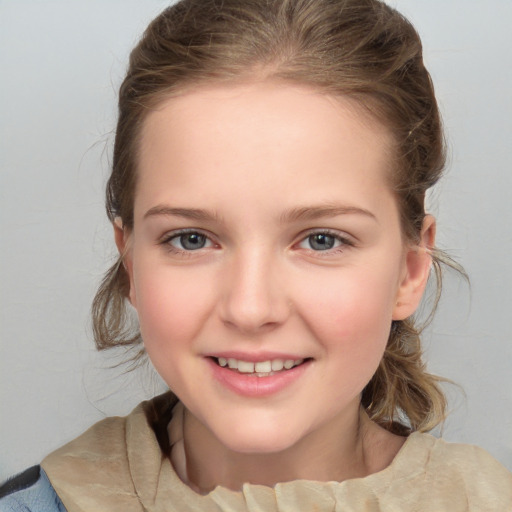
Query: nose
point(254, 297)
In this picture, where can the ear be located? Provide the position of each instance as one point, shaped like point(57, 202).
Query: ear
point(123, 242)
point(416, 270)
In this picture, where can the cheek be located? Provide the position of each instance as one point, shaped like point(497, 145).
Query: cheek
point(346, 307)
point(351, 316)
point(171, 306)
point(168, 308)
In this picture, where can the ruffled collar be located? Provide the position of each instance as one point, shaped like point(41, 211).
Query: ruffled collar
point(162, 484)
point(123, 464)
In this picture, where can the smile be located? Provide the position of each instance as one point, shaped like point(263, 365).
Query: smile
point(259, 369)
point(258, 379)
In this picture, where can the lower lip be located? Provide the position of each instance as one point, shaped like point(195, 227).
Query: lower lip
point(254, 386)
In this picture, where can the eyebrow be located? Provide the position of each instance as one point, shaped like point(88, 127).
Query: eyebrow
point(306, 213)
point(303, 213)
point(187, 213)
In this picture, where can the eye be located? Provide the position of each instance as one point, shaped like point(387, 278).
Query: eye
point(188, 241)
point(323, 241)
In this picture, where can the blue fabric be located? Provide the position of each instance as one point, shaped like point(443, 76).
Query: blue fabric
point(27, 493)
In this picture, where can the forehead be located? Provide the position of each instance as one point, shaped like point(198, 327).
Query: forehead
point(259, 104)
point(260, 136)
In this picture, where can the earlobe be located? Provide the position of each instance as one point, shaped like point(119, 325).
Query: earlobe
point(417, 264)
point(122, 238)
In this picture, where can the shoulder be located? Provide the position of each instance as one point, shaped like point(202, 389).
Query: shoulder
point(109, 443)
point(30, 491)
point(462, 473)
point(100, 441)
point(107, 464)
point(92, 467)
point(484, 477)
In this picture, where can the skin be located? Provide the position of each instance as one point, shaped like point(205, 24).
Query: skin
point(268, 165)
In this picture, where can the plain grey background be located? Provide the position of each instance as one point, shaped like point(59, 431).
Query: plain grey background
point(61, 62)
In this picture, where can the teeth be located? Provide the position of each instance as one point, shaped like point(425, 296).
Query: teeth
point(262, 368)
point(277, 365)
point(245, 367)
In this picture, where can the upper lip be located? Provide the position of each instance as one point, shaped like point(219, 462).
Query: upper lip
point(257, 357)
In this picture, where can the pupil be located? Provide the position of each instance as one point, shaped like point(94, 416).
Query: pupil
point(192, 241)
point(321, 242)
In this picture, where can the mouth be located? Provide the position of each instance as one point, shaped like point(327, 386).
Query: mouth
point(260, 368)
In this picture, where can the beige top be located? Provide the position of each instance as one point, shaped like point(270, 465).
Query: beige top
point(119, 465)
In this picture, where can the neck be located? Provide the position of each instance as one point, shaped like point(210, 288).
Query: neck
point(334, 452)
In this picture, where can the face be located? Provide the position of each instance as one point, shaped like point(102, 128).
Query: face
point(266, 260)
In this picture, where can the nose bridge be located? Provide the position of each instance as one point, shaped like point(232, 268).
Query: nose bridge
point(254, 295)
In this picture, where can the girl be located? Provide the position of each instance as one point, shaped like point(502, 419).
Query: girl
point(267, 197)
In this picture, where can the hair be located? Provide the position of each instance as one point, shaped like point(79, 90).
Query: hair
point(358, 49)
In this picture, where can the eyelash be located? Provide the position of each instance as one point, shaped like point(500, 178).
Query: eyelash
point(168, 238)
point(343, 241)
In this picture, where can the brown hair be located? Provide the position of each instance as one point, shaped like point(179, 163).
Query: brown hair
point(361, 49)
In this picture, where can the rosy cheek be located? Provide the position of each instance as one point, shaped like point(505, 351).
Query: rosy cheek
point(348, 318)
point(169, 306)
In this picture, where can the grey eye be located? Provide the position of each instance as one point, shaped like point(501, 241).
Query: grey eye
point(321, 241)
point(190, 241)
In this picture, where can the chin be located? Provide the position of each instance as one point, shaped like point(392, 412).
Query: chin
point(259, 441)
